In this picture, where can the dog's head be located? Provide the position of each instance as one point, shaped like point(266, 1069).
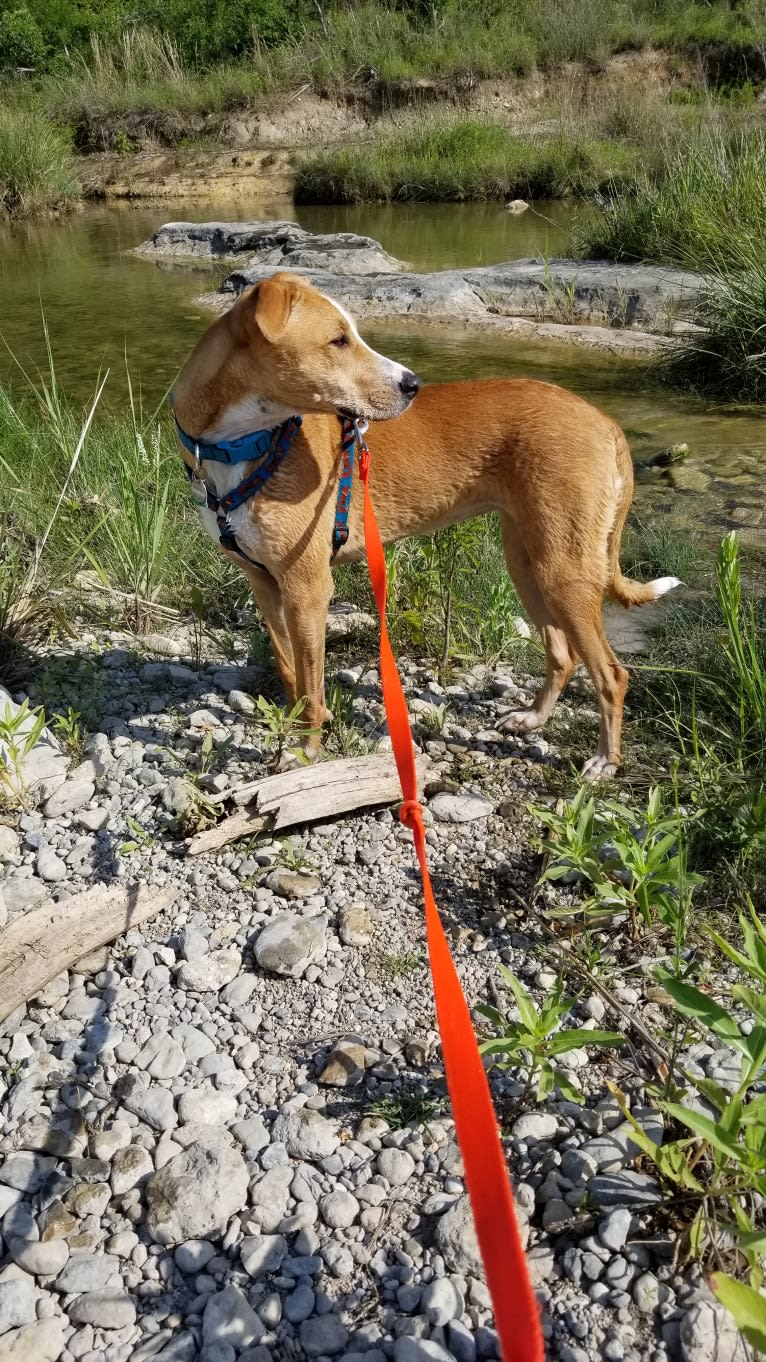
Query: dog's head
point(304, 353)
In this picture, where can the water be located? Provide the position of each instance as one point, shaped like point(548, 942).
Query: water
point(103, 306)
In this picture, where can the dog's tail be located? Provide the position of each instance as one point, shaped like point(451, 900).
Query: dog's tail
point(621, 588)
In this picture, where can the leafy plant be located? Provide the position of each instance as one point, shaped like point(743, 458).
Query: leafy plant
point(70, 731)
point(746, 1306)
point(20, 731)
point(282, 726)
point(633, 860)
point(141, 840)
point(719, 1169)
point(530, 1046)
point(408, 1106)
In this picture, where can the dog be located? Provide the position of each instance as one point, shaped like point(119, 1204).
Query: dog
point(557, 470)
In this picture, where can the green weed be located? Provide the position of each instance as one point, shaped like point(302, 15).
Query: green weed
point(530, 1046)
point(408, 1106)
point(37, 172)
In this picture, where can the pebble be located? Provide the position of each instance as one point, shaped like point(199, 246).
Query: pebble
point(195, 1194)
point(396, 1166)
point(289, 944)
point(104, 1309)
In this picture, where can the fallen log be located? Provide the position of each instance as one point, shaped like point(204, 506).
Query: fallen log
point(307, 794)
point(42, 943)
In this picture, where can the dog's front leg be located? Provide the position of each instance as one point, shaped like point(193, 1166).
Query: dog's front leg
point(306, 598)
point(268, 597)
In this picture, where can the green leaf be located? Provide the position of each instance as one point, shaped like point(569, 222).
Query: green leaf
point(568, 1087)
point(692, 1003)
point(697, 1232)
point(715, 1134)
point(746, 1306)
point(529, 1013)
point(577, 1040)
point(491, 1013)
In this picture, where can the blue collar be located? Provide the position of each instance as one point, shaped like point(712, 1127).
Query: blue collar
point(248, 447)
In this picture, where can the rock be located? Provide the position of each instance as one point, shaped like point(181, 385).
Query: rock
point(535, 1126)
point(299, 1305)
point(40, 1342)
point(648, 1293)
point(456, 1240)
point(20, 893)
point(441, 1301)
point(9, 842)
point(130, 1168)
point(194, 1255)
point(153, 1105)
point(323, 1337)
point(459, 808)
point(104, 1309)
point(289, 944)
point(41, 1259)
point(196, 1193)
point(281, 244)
point(88, 1272)
point(161, 1057)
point(69, 797)
point(628, 1188)
point(516, 206)
point(207, 1107)
point(17, 1303)
point(610, 294)
point(708, 1334)
point(242, 702)
point(290, 884)
point(613, 1230)
point(407, 1349)
point(355, 924)
point(305, 1134)
point(339, 1209)
point(50, 867)
point(229, 1318)
point(345, 1065)
point(262, 1253)
point(252, 1134)
point(211, 972)
point(396, 1166)
point(26, 1172)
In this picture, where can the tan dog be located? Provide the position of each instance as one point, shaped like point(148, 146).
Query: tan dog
point(558, 471)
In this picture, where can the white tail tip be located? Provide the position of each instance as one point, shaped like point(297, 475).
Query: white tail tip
point(661, 585)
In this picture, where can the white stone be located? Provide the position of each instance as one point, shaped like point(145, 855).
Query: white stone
point(40, 1342)
point(456, 1240)
point(289, 944)
point(339, 1209)
point(396, 1166)
point(195, 1195)
point(229, 1318)
point(459, 808)
point(262, 1253)
point(305, 1134)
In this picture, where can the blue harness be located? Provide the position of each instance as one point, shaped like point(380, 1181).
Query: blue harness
point(268, 449)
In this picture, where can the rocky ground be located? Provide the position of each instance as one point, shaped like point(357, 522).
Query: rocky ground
point(225, 1138)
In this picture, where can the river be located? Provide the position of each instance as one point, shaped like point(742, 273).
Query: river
point(104, 307)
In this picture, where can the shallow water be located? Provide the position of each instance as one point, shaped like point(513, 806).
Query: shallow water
point(103, 305)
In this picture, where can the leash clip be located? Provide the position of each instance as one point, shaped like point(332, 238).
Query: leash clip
point(360, 430)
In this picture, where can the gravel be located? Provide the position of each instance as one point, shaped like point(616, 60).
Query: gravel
point(224, 1138)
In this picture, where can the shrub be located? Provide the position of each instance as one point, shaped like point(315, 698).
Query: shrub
point(21, 42)
point(37, 172)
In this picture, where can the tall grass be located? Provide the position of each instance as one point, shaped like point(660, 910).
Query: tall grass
point(447, 157)
point(728, 361)
point(37, 173)
point(709, 200)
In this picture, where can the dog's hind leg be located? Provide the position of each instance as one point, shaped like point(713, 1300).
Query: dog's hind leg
point(268, 597)
point(560, 657)
point(578, 610)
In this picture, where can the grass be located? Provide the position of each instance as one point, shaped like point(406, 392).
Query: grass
point(37, 170)
point(729, 361)
point(447, 158)
point(709, 199)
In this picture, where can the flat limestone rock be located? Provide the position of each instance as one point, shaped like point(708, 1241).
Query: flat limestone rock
point(281, 244)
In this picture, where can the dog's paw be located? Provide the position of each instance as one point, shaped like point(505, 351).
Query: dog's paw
point(520, 721)
point(599, 768)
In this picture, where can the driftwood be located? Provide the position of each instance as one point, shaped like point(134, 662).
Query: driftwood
point(41, 944)
point(307, 794)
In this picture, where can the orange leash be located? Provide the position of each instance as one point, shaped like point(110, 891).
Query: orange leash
point(517, 1316)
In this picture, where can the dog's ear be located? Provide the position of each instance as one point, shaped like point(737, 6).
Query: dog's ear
point(274, 300)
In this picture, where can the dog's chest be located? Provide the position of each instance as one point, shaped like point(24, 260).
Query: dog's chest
point(222, 479)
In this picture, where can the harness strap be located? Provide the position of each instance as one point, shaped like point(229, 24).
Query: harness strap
point(348, 439)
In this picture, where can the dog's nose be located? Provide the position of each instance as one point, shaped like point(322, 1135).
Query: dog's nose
point(409, 384)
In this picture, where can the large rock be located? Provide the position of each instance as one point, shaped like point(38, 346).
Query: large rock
point(598, 292)
point(195, 1195)
point(40, 1342)
point(456, 1240)
point(289, 944)
point(281, 244)
point(709, 1334)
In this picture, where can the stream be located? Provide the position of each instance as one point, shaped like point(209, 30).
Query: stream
point(103, 307)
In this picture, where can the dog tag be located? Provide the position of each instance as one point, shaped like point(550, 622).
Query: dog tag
point(198, 491)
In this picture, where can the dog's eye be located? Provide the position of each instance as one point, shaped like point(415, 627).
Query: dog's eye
point(340, 342)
